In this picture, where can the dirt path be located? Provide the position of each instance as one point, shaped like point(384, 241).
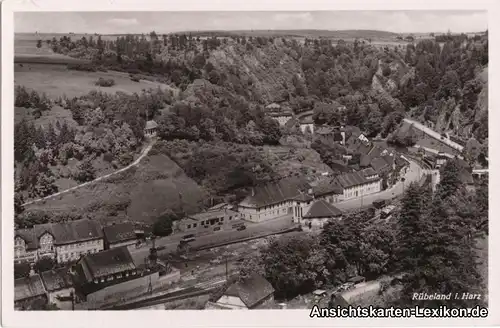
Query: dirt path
point(141, 156)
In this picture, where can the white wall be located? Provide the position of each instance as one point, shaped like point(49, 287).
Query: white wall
point(72, 252)
point(362, 190)
point(232, 302)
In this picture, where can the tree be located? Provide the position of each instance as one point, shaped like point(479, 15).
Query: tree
point(44, 264)
point(294, 265)
point(21, 270)
point(163, 224)
point(86, 172)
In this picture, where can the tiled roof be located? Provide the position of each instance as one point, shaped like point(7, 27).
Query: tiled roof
point(322, 209)
point(368, 172)
point(63, 233)
point(107, 262)
point(349, 180)
point(251, 290)
point(273, 106)
point(328, 186)
point(283, 190)
point(28, 287)
point(28, 235)
point(151, 125)
point(364, 160)
point(379, 164)
point(57, 279)
point(119, 232)
point(389, 159)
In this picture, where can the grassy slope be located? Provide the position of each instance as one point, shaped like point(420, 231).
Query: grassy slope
point(139, 194)
point(57, 80)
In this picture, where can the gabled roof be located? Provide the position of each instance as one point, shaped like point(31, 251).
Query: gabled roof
point(364, 160)
point(379, 164)
point(57, 279)
point(349, 180)
point(28, 235)
point(28, 287)
point(63, 232)
point(322, 209)
point(151, 125)
point(107, 262)
point(119, 232)
point(273, 193)
point(251, 290)
point(327, 186)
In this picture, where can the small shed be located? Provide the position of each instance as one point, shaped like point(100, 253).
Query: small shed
point(151, 128)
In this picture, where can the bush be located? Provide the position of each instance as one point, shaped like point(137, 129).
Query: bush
point(82, 67)
point(44, 264)
point(105, 82)
point(108, 157)
point(21, 270)
point(163, 224)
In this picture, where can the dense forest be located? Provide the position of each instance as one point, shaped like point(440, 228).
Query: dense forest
point(429, 247)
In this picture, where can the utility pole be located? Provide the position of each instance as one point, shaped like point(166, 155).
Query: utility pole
point(227, 274)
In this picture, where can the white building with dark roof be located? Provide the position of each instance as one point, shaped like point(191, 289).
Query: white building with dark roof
point(211, 220)
point(319, 214)
point(359, 184)
point(150, 129)
point(250, 293)
point(64, 242)
point(289, 196)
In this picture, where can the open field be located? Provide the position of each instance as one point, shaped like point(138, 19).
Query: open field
point(140, 194)
point(57, 80)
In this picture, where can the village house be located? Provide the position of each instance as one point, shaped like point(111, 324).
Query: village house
point(113, 274)
point(287, 197)
point(119, 234)
point(59, 286)
point(359, 184)
point(28, 290)
point(328, 189)
point(307, 125)
point(319, 214)
point(215, 219)
point(150, 129)
point(282, 117)
point(250, 293)
point(63, 242)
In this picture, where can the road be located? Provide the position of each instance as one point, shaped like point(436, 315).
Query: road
point(141, 156)
point(169, 244)
point(434, 134)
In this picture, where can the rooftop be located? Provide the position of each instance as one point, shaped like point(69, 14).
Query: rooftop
point(251, 290)
point(322, 209)
point(107, 262)
point(151, 125)
point(349, 180)
point(119, 232)
point(274, 193)
point(28, 287)
point(57, 279)
point(63, 233)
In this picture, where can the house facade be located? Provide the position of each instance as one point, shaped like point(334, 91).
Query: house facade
point(287, 197)
point(281, 117)
point(150, 129)
point(319, 214)
point(64, 242)
point(118, 235)
point(359, 184)
point(59, 287)
point(212, 220)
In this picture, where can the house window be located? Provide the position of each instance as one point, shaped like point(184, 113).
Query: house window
point(189, 226)
point(230, 218)
point(194, 225)
point(202, 222)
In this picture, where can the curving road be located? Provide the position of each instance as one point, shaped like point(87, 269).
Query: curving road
point(434, 134)
point(141, 156)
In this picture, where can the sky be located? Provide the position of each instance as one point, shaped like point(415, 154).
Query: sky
point(165, 22)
